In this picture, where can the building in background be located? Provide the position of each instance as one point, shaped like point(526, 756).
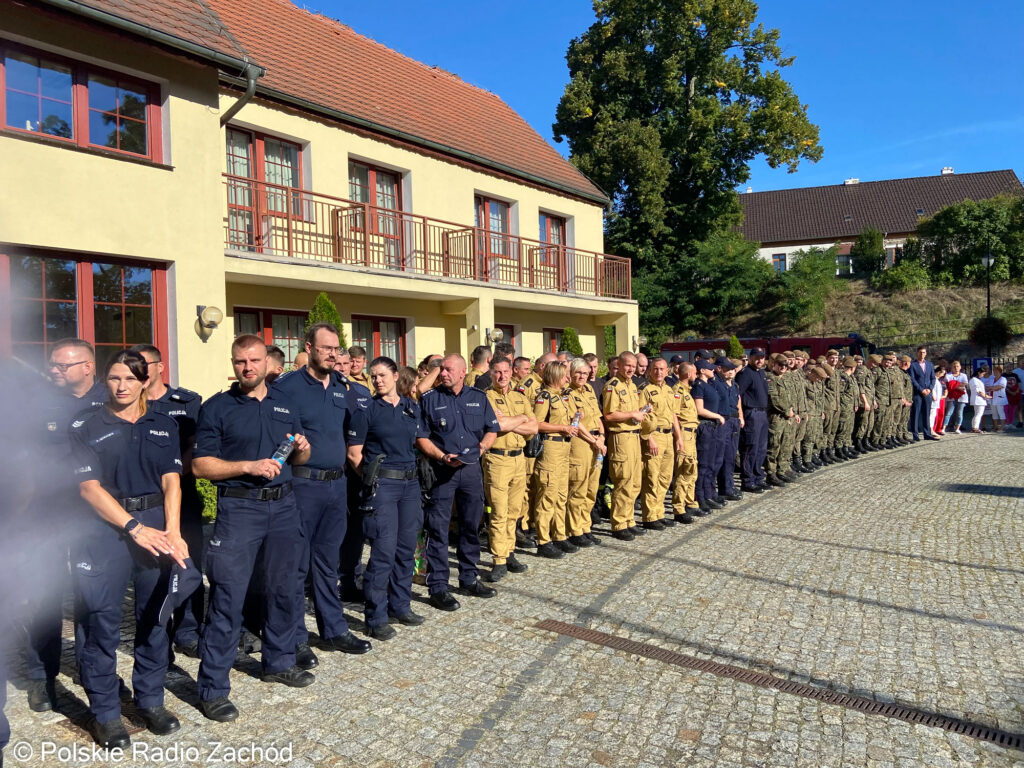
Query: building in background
point(246, 154)
point(789, 220)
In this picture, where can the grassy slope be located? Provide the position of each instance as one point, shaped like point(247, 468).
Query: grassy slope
point(907, 318)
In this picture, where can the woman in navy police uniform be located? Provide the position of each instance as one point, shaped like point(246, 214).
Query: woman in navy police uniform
point(128, 466)
point(393, 511)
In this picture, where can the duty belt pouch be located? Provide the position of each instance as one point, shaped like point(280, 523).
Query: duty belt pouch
point(371, 476)
point(534, 447)
point(426, 475)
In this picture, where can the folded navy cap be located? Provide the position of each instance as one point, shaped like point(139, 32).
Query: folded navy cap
point(183, 583)
point(470, 456)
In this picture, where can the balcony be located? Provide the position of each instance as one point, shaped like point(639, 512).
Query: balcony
point(297, 224)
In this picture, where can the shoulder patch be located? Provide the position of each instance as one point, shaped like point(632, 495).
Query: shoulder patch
point(184, 395)
point(543, 395)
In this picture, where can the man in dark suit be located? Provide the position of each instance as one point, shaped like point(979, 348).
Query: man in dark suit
point(922, 376)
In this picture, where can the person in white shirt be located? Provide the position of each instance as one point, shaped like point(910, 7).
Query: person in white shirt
point(996, 387)
point(978, 397)
point(955, 405)
point(938, 395)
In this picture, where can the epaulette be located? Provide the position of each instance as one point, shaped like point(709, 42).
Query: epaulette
point(642, 386)
point(184, 395)
point(543, 395)
point(526, 384)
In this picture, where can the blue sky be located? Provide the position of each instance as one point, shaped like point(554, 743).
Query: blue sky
point(898, 88)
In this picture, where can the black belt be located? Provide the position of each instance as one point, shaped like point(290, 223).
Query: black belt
point(309, 473)
point(501, 452)
point(257, 494)
point(688, 429)
point(397, 474)
point(141, 503)
point(596, 432)
point(627, 432)
point(754, 408)
point(664, 431)
point(557, 438)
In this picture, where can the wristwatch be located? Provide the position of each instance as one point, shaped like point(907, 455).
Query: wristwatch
point(131, 525)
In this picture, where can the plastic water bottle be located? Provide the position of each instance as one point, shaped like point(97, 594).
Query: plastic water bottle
point(284, 450)
point(645, 410)
point(598, 462)
point(577, 418)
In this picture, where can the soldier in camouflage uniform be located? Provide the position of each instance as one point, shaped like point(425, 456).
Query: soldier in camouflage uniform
point(866, 380)
point(883, 393)
point(800, 390)
point(850, 402)
point(814, 378)
point(780, 414)
point(903, 432)
point(832, 412)
point(895, 396)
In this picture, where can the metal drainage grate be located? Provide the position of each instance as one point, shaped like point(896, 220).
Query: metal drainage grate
point(764, 680)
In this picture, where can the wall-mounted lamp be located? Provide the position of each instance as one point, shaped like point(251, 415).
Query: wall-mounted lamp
point(207, 318)
point(494, 335)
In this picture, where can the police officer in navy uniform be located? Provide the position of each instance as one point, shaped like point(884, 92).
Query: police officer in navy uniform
point(729, 433)
point(706, 397)
point(382, 449)
point(182, 405)
point(321, 492)
point(238, 432)
point(75, 390)
point(127, 463)
point(460, 425)
point(753, 390)
point(351, 566)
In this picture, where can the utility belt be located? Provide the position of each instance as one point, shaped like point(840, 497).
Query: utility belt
point(688, 429)
point(309, 473)
point(141, 503)
point(396, 474)
point(503, 452)
point(627, 432)
point(558, 438)
point(274, 493)
point(664, 431)
point(596, 432)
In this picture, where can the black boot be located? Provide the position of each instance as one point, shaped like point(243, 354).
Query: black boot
point(816, 460)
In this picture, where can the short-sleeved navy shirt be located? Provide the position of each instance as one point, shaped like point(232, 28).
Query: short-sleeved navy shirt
point(127, 459)
point(235, 427)
point(730, 396)
point(324, 413)
point(708, 392)
point(182, 405)
point(457, 422)
point(358, 395)
point(753, 387)
point(383, 428)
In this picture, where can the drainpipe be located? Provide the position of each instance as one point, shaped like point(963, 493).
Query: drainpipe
point(252, 73)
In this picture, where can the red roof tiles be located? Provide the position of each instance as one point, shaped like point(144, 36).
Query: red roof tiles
point(189, 20)
point(815, 214)
point(320, 61)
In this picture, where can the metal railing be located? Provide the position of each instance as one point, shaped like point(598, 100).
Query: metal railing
point(295, 223)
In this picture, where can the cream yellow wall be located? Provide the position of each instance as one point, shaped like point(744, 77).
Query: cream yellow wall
point(440, 190)
point(63, 199)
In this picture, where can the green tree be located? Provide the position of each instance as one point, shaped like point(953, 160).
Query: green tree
point(667, 105)
point(804, 289)
point(867, 255)
point(908, 275)
point(324, 311)
point(571, 341)
point(735, 349)
point(955, 239)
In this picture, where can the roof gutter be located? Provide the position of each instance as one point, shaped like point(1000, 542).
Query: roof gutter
point(230, 63)
point(252, 74)
point(394, 132)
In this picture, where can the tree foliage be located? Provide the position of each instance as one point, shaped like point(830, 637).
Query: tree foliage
point(804, 289)
point(992, 332)
point(324, 311)
point(735, 349)
point(867, 255)
point(571, 341)
point(667, 105)
point(908, 275)
point(955, 239)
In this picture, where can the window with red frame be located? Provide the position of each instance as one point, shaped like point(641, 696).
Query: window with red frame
point(48, 95)
point(380, 336)
point(380, 188)
point(552, 339)
point(111, 305)
point(552, 231)
point(283, 328)
point(275, 162)
point(492, 216)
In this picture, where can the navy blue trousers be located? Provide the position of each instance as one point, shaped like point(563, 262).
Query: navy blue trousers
point(244, 526)
point(709, 457)
point(323, 507)
point(754, 447)
point(464, 487)
point(729, 433)
point(351, 565)
point(920, 411)
point(189, 615)
point(392, 529)
point(44, 621)
point(104, 561)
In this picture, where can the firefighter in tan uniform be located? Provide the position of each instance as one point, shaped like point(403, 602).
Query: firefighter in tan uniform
point(684, 502)
point(659, 437)
point(623, 417)
point(358, 372)
point(531, 386)
point(504, 468)
point(586, 454)
point(554, 412)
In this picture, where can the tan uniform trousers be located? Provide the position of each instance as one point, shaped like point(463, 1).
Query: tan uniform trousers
point(657, 475)
point(526, 511)
point(625, 471)
point(583, 479)
point(686, 474)
point(551, 476)
point(505, 486)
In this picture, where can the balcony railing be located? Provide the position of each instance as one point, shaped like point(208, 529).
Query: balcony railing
point(295, 223)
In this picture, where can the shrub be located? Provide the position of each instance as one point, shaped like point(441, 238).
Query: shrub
point(906, 276)
point(324, 311)
point(208, 493)
point(735, 349)
point(571, 341)
point(990, 331)
point(867, 255)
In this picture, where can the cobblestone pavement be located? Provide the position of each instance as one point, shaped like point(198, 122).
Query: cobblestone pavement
point(897, 577)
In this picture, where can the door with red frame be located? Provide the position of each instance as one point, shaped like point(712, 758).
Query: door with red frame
point(380, 337)
point(552, 339)
point(262, 193)
point(380, 189)
point(549, 262)
point(496, 251)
